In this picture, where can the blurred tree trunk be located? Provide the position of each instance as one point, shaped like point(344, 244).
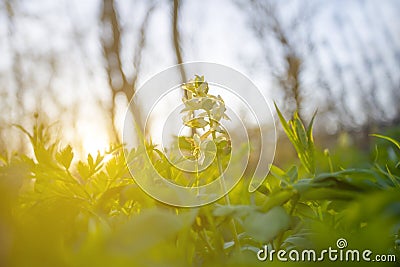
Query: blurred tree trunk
point(118, 80)
point(176, 39)
point(177, 46)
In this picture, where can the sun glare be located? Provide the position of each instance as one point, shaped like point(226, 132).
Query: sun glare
point(94, 143)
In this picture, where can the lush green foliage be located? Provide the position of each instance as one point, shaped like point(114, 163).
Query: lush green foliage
point(59, 211)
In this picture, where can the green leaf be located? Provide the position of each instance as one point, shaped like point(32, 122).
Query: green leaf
point(354, 175)
point(301, 139)
point(25, 132)
point(393, 178)
point(65, 157)
point(277, 199)
point(264, 227)
point(310, 128)
point(90, 161)
point(99, 158)
point(395, 142)
point(197, 123)
point(292, 173)
point(300, 131)
point(184, 143)
point(285, 125)
point(279, 173)
point(149, 229)
point(328, 193)
point(112, 168)
point(304, 185)
point(305, 210)
point(263, 190)
point(83, 169)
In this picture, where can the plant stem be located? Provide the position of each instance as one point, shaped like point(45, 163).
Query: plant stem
point(203, 235)
point(232, 224)
point(197, 177)
point(218, 239)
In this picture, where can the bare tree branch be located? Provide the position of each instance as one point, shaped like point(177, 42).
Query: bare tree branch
point(111, 44)
point(176, 39)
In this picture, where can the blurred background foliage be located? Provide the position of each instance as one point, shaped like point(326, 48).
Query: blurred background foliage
point(79, 63)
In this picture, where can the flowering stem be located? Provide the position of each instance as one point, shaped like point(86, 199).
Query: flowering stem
point(232, 224)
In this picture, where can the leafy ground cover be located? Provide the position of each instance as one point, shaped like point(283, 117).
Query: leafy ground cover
point(56, 210)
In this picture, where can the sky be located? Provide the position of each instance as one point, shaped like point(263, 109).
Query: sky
point(216, 31)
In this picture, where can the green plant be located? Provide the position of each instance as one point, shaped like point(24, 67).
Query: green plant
point(205, 111)
point(58, 210)
point(301, 138)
